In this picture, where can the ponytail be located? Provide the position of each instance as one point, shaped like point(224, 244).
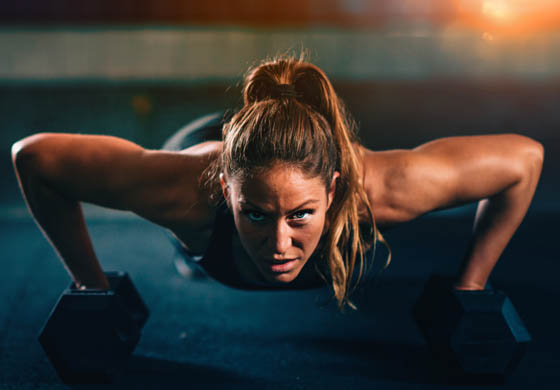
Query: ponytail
point(292, 114)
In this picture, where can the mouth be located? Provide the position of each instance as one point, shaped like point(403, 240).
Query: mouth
point(281, 266)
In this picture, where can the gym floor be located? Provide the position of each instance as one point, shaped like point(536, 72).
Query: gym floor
point(202, 333)
point(409, 71)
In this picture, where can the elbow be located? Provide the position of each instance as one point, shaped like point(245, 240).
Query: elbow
point(20, 154)
point(525, 157)
point(24, 151)
point(535, 154)
point(531, 149)
point(532, 152)
point(539, 151)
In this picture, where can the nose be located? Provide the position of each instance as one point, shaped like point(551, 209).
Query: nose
point(280, 240)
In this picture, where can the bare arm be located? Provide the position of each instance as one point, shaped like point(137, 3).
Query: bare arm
point(58, 171)
point(501, 172)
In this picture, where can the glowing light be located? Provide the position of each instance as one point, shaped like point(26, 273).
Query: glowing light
point(500, 10)
point(509, 17)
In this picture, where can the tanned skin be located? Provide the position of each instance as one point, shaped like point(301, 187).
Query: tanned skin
point(57, 172)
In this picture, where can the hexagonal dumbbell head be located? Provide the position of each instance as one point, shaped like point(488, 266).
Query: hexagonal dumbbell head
point(478, 335)
point(90, 333)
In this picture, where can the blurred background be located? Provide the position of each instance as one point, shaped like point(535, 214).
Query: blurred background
point(409, 70)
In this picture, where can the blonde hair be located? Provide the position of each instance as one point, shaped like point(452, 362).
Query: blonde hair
point(291, 114)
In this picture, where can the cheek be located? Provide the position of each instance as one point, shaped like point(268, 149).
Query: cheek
point(310, 235)
point(249, 233)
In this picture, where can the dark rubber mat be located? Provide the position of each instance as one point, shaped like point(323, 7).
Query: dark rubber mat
point(203, 333)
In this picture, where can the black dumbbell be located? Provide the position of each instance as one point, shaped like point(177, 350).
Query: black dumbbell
point(477, 335)
point(90, 333)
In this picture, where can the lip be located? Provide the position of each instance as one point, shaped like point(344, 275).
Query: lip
point(279, 266)
point(276, 261)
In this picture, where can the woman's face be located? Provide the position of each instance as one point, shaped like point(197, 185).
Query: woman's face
point(280, 215)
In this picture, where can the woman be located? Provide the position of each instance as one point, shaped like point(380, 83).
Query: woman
point(303, 201)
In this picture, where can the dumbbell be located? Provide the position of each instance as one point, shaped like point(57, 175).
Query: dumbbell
point(90, 333)
point(476, 336)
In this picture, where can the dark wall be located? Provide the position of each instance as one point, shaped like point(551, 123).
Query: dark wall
point(390, 115)
point(246, 12)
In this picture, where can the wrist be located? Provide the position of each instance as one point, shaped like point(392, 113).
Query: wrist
point(102, 285)
point(467, 287)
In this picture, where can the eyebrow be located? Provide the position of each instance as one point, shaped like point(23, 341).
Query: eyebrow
point(248, 203)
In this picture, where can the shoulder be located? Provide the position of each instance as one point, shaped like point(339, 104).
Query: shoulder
point(403, 184)
point(192, 218)
point(191, 206)
point(385, 173)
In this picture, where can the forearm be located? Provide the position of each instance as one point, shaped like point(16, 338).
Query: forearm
point(497, 218)
point(62, 222)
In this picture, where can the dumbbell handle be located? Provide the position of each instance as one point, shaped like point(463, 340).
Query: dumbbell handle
point(120, 285)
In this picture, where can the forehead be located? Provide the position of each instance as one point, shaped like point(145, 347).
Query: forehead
point(280, 185)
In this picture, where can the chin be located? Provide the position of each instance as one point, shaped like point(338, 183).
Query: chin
point(286, 277)
point(281, 278)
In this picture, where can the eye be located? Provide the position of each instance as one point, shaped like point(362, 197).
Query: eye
point(302, 214)
point(254, 216)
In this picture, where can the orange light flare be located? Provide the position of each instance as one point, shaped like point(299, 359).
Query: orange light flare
point(509, 17)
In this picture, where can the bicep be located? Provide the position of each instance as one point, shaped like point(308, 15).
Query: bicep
point(113, 172)
point(453, 171)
